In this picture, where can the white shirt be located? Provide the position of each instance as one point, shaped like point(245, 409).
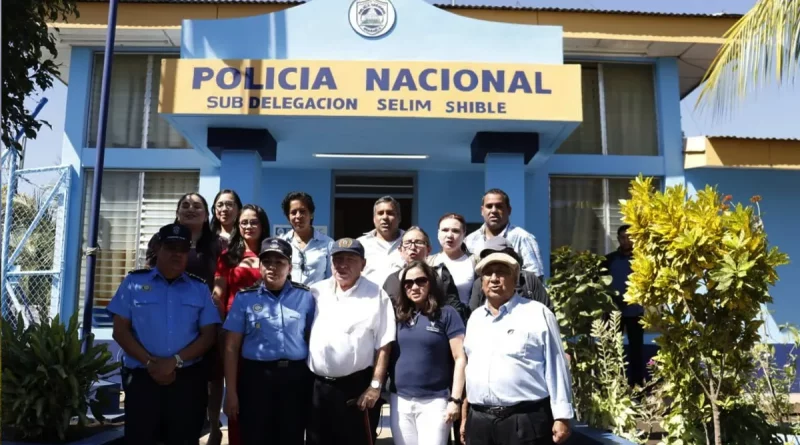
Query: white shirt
point(517, 357)
point(383, 257)
point(463, 272)
point(349, 326)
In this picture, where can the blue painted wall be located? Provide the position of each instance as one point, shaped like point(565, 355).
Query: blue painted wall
point(440, 192)
point(780, 209)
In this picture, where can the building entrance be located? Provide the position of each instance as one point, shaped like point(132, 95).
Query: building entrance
point(355, 195)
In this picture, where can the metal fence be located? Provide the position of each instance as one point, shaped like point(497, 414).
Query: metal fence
point(34, 211)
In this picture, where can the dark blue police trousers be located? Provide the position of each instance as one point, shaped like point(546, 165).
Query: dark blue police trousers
point(172, 414)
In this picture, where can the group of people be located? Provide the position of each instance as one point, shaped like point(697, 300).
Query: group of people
point(317, 334)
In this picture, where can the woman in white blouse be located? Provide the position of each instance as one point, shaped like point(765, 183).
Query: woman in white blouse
point(454, 255)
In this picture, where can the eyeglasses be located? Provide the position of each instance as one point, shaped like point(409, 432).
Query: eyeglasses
point(302, 261)
point(414, 243)
point(249, 223)
point(420, 282)
point(225, 204)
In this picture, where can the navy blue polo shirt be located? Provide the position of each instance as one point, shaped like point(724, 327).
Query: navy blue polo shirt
point(421, 364)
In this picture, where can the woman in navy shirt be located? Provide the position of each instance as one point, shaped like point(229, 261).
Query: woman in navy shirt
point(427, 362)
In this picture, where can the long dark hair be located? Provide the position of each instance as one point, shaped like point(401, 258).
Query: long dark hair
point(236, 246)
point(207, 237)
point(216, 225)
point(404, 309)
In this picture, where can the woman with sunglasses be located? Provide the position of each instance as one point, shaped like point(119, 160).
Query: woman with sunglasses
point(415, 245)
point(227, 206)
point(427, 361)
point(238, 268)
point(311, 249)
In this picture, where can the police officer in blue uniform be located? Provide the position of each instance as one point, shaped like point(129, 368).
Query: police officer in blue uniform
point(269, 384)
point(165, 321)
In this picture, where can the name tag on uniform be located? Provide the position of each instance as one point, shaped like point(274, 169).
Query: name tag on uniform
point(433, 328)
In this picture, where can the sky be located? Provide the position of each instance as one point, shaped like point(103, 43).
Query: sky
point(45, 150)
point(770, 112)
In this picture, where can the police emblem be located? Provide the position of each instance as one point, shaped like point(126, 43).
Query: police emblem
point(345, 242)
point(146, 287)
point(372, 18)
point(176, 230)
point(257, 308)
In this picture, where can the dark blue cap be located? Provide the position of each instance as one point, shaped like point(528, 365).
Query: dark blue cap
point(276, 245)
point(175, 233)
point(348, 245)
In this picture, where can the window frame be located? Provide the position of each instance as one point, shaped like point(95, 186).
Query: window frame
point(86, 207)
point(608, 243)
point(148, 96)
point(602, 99)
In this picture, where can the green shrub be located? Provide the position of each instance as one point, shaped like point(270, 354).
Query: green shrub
point(46, 379)
point(702, 268)
point(581, 296)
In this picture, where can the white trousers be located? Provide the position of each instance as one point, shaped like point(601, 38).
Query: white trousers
point(417, 421)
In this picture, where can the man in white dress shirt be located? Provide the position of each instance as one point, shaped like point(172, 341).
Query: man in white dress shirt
point(382, 245)
point(348, 352)
point(518, 382)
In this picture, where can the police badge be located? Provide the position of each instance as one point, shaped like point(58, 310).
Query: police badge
point(372, 18)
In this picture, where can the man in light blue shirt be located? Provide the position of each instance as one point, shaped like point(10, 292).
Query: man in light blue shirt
point(496, 211)
point(165, 321)
point(518, 383)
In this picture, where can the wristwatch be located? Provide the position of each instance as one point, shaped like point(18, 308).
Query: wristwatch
point(178, 361)
point(375, 384)
point(456, 401)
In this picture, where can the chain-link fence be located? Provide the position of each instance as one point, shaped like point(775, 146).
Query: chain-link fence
point(33, 221)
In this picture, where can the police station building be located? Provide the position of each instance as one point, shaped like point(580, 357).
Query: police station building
point(351, 100)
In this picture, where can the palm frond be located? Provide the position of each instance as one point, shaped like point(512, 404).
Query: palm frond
point(764, 45)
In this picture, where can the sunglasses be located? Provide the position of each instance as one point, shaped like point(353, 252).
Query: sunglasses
point(420, 282)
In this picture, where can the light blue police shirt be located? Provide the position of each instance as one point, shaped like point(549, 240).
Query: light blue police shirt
point(313, 263)
point(516, 357)
point(275, 327)
point(165, 317)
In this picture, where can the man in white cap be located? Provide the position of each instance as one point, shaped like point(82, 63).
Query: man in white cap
point(518, 382)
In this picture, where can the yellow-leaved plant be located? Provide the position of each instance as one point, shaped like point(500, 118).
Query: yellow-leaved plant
point(702, 268)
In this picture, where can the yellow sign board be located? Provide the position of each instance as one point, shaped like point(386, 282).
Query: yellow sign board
point(456, 90)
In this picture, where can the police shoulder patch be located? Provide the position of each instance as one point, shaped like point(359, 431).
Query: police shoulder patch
point(300, 286)
point(195, 277)
point(139, 271)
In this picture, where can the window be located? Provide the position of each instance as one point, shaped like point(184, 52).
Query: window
point(585, 212)
point(619, 113)
point(133, 119)
point(133, 206)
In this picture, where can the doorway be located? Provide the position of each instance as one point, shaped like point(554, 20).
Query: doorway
point(355, 194)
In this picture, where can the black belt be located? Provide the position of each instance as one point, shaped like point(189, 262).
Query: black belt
point(274, 363)
point(337, 380)
point(505, 411)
